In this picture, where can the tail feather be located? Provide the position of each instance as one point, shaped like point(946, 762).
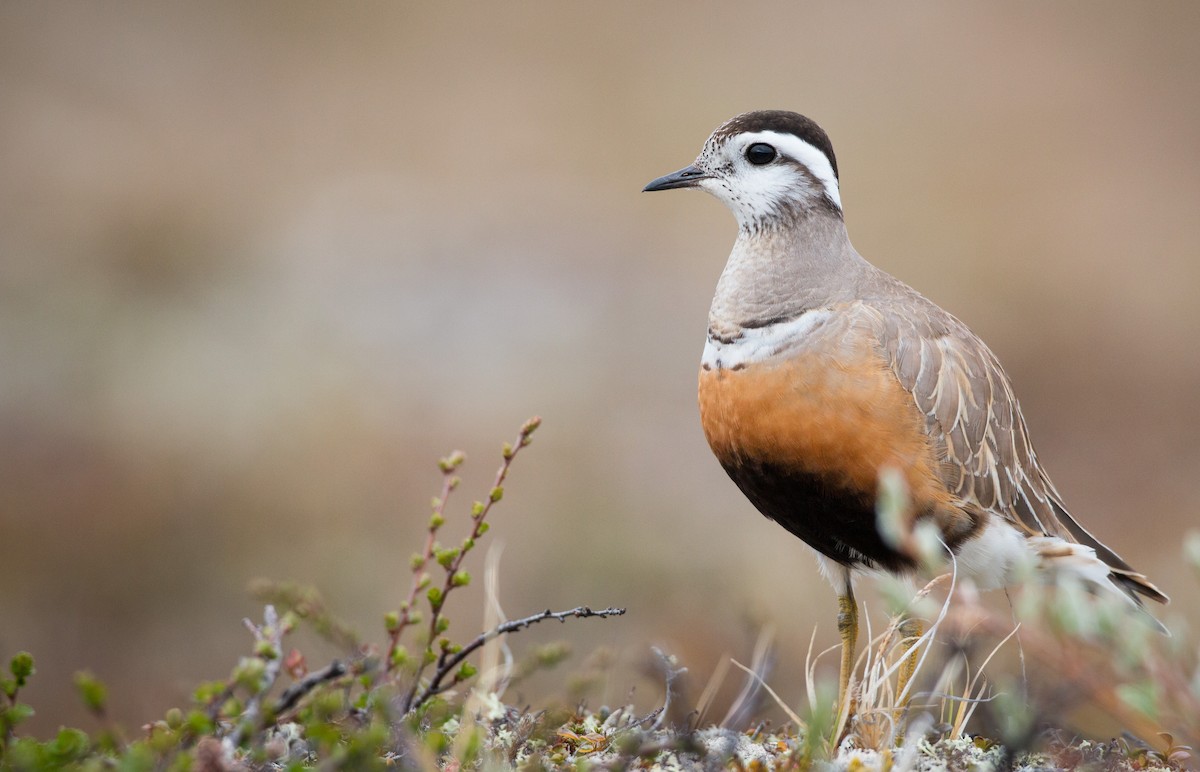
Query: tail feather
point(1122, 574)
point(1060, 556)
point(1137, 586)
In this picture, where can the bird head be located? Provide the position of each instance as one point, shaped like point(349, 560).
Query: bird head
point(769, 167)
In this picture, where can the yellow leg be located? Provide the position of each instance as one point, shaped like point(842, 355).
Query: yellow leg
point(847, 624)
point(910, 630)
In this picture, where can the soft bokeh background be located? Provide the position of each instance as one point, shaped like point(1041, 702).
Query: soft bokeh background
point(261, 264)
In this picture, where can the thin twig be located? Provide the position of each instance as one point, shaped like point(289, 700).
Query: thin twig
point(450, 663)
point(449, 483)
point(294, 693)
point(479, 516)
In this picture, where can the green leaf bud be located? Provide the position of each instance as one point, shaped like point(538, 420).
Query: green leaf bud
point(198, 723)
point(93, 693)
point(266, 650)
point(21, 667)
point(452, 461)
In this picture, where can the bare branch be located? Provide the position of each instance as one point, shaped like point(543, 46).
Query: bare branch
point(268, 639)
point(435, 685)
point(294, 693)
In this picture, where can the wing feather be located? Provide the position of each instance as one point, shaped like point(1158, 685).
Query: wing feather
point(975, 424)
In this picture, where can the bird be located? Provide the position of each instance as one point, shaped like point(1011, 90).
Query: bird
point(821, 373)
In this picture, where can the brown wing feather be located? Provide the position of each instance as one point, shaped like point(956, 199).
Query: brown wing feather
point(978, 432)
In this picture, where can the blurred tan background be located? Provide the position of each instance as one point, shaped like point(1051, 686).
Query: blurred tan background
point(262, 264)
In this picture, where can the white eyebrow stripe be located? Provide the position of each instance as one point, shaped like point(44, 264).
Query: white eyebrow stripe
point(813, 159)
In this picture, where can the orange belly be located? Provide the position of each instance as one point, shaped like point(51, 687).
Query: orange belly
point(805, 439)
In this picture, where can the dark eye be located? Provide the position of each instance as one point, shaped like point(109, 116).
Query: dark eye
point(760, 154)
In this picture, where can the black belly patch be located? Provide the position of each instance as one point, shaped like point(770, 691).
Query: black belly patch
point(837, 521)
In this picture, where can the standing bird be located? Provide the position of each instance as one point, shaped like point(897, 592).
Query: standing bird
point(821, 371)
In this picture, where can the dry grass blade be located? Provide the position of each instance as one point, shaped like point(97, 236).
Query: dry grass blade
point(791, 714)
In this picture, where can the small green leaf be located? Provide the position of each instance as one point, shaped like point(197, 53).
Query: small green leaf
point(497, 493)
point(465, 671)
point(436, 521)
point(69, 745)
point(477, 509)
point(460, 579)
point(442, 625)
point(482, 528)
point(435, 597)
point(416, 561)
point(15, 713)
point(91, 690)
point(391, 621)
point(508, 451)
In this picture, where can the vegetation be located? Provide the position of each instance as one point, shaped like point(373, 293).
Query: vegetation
point(421, 699)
